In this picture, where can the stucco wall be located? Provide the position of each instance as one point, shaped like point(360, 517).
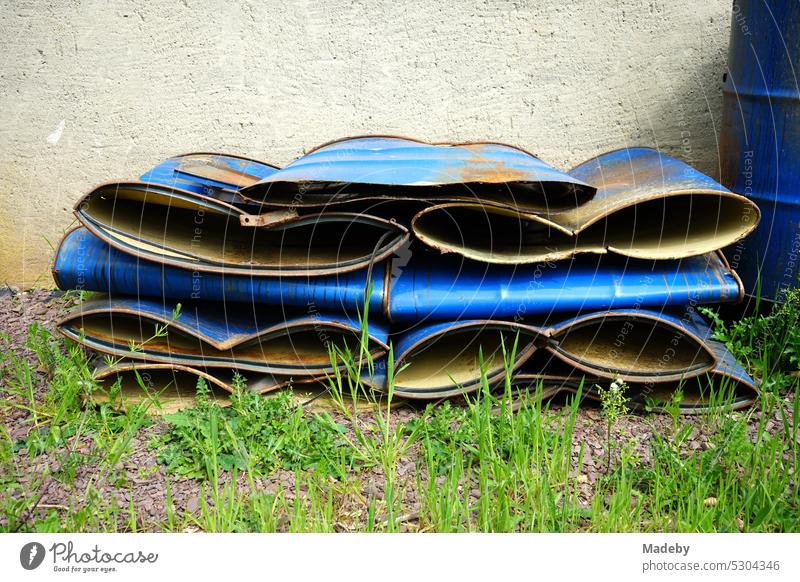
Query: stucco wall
point(99, 90)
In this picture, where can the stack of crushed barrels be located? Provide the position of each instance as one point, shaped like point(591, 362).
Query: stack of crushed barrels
point(466, 264)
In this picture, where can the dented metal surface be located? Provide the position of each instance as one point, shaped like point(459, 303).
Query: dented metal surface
point(642, 347)
point(634, 344)
point(215, 175)
point(188, 230)
point(444, 359)
point(373, 167)
point(700, 391)
point(217, 336)
point(648, 205)
point(424, 289)
point(161, 388)
point(446, 288)
point(268, 290)
point(84, 261)
point(168, 388)
point(222, 378)
point(696, 392)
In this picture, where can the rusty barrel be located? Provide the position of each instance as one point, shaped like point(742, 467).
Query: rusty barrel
point(760, 140)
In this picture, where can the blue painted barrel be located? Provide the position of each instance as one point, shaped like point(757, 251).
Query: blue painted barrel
point(760, 139)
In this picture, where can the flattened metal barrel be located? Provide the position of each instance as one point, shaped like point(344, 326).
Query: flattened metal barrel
point(760, 140)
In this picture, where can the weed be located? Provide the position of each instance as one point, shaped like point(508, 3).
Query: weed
point(614, 405)
point(58, 421)
point(769, 345)
point(254, 433)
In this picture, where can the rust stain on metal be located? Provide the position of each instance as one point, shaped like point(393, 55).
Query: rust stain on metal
point(480, 168)
point(273, 218)
point(211, 170)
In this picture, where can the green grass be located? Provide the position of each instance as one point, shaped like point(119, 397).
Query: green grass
point(57, 424)
point(477, 466)
point(254, 434)
point(768, 345)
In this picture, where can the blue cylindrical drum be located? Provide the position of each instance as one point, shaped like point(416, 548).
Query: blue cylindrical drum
point(760, 140)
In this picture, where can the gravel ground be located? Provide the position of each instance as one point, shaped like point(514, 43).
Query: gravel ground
point(142, 481)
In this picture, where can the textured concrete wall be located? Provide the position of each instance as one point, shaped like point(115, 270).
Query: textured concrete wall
point(99, 90)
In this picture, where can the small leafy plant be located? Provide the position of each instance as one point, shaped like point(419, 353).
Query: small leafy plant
point(768, 345)
point(614, 405)
point(255, 433)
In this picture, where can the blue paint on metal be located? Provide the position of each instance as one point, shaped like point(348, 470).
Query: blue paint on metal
point(450, 289)
point(221, 328)
point(668, 345)
point(85, 262)
point(454, 306)
point(631, 171)
point(183, 229)
point(716, 362)
point(648, 206)
point(686, 321)
point(760, 139)
point(422, 334)
point(424, 290)
point(457, 366)
point(172, 173)
point(394, 161)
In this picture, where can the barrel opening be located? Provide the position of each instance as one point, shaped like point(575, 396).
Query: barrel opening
point(703, 392)
point(490, 235)
point(525, 196)
point(545, 384)
point(173, 389)
point(181, 228)
point(180, 383)
point(332, 240)
point(452, 358)
point(676, 226)
point(296, 349)
point(669, 227)
point(632, 347)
